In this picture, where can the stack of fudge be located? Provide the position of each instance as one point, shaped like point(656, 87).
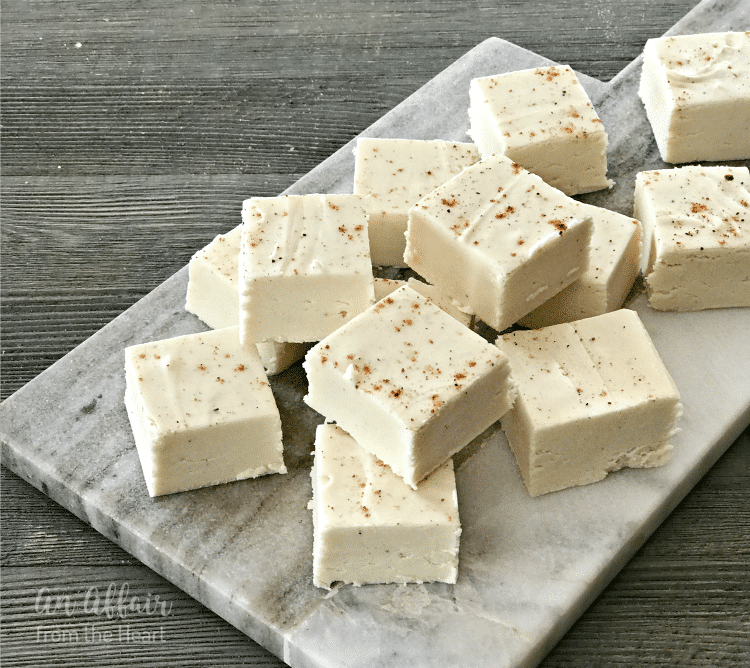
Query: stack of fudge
point(398, 369)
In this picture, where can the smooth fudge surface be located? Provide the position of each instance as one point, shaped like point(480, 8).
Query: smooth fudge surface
point(304, 266)
point(213, 296)
point(699, 224)
point(409, 382)
point(369, 527)
point(614, 265)
point(696, 92)
point(593, 397)
point(498, 240)
point(202, 411)
point(392, 175)
point(542, 119)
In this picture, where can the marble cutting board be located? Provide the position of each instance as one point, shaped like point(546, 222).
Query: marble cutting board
point(528, 567)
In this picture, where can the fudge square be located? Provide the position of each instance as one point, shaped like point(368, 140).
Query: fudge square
point(696, 92)
point(498, 240)
point(392, 175)
point(409, 383)
point(304, 267)
point(593, 397)
point(202, 411)
point(213, 295)
point(368, 527)
point(699, 222)
point(614, 264)
point(542, 119)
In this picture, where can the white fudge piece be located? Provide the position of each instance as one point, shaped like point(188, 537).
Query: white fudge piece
point(498, 240)
point(542, 119)
point(385, 286)
point(202, 412)
point(699, 225)
point(614, 264)
point(696, 91)
point(368, 527)
point(304, 266)
point(593, 397)
point(392, 175)
point(213, 295)
point(409, 383)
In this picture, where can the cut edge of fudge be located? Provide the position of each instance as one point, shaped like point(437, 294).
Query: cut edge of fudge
point(213, 291)
point(370, 528)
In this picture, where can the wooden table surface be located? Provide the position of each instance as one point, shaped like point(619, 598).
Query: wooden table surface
point(132, 131)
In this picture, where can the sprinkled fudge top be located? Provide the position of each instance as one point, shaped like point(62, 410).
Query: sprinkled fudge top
point(537, 105)
point(503, 211)
point(589, 367)
point(223, 254)
point(393, 174)
point(696, 208)
point(360, 490)
point(304, 235)
point(705, 66)
point(198, 380)
point(409, 354)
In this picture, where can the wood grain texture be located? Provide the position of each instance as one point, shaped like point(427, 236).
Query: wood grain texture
point(131, 133)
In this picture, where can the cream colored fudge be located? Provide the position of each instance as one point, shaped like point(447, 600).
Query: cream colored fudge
point(699, 224)
point(498, 240)
point(409, 383)
point(593, 397)
point(304, 266)
point(392, 175)
point(385, 286)
point(614, 264)
point(202, 412)
point(542, 119)
point(696, 91)
point(213, 288)
point(368, 527)
point(213, 295)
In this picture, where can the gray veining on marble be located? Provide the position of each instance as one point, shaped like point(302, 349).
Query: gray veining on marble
point(528, 567)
